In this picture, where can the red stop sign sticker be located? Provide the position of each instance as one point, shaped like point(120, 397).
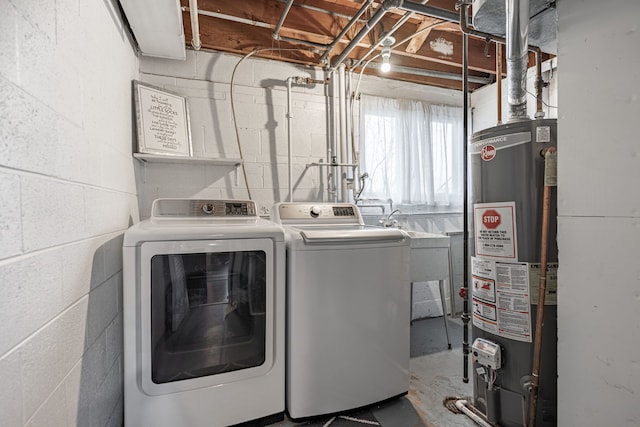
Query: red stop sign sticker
point(491, 219)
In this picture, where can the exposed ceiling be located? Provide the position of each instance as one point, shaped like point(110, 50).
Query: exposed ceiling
point(424, 45)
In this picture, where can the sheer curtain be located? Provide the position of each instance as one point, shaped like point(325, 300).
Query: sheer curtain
point(412, 151)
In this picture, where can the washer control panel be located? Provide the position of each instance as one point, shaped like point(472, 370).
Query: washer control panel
point(321, 212)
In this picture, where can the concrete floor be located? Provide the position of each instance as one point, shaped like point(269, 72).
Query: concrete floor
point(436, 373)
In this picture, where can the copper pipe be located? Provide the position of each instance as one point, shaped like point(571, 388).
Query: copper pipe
point(539, 85)
point(499, 80)
point(550, 181)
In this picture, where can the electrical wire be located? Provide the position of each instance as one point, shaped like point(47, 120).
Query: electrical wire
point(544, 103)
point(233, 108)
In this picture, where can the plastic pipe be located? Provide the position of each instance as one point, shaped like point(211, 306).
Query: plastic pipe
point(195, 25)
point(289, 149)
point(342, 100)
point(462, 407)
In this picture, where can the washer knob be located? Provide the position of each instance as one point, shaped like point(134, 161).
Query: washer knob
point(315, 211)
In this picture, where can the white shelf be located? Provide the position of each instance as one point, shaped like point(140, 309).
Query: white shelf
point(156, 158)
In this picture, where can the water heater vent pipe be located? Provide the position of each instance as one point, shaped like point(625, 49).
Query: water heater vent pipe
point(517, 58)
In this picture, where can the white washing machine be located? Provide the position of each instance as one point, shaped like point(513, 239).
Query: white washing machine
point(203, 303)
point(348, 308)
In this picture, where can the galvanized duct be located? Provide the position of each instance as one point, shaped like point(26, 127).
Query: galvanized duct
point(517, 58)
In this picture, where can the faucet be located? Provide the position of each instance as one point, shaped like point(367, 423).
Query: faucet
point(388, 222)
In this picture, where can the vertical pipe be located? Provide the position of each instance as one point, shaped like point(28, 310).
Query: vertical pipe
point(342, 100)
point(550, 181)
point(333, 148)
point(195, 24)
point(499, 80)
point(465, 125)
point(517, 24)
point(539, 85)
point(289, 148)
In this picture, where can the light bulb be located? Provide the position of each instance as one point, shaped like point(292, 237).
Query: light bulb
point(385, 67)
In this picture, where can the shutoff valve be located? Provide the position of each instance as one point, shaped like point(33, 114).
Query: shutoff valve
point(487, 353)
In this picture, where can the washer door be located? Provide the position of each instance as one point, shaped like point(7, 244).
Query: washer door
point(206, 313)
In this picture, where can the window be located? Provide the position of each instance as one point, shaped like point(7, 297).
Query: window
point(412, 151)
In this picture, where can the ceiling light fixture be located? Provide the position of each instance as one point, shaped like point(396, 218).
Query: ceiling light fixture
point(385, 67)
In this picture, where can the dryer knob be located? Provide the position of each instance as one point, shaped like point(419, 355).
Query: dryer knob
point(208, 208)
point(315, 211)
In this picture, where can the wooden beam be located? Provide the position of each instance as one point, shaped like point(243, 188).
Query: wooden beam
point(424, 28)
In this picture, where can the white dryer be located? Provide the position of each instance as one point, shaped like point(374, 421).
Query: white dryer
point(203, 303)
point(348, 308)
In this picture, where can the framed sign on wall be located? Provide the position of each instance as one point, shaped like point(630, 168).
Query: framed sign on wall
point(162, 121)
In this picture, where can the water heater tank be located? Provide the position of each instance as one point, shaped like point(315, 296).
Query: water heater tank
point(507, 170)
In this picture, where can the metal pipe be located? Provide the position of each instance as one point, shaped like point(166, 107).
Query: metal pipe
point(353, 165)
point(289, 143)
point(393, 29)
point(354, 19)
point(370, 24)
point(550, 180)
point(517, 24)
point(332, 157)
point(285, 12)
point(342, 103)
point(465, 28)
point(499, 80)
point(431, 11)
point(539, 85)
point(301, 81)
point(432, 73)
point(465, 214)
point(195, 25)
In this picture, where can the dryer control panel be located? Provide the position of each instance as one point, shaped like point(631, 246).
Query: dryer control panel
point(198, 208)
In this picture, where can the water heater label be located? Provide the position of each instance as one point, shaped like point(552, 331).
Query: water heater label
point(495, 230)
point(501, 298)
point(551, 288)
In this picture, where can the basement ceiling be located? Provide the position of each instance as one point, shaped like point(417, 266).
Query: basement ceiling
point(427, 50)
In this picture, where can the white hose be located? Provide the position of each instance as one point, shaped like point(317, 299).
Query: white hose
point(462, 406)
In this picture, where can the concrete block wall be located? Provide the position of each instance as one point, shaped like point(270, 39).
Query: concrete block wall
point(260, 102)
point(68, 191)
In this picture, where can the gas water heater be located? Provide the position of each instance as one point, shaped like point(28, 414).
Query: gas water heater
point(507, 171)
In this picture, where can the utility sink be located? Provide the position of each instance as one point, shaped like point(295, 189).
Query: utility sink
point(429, 256)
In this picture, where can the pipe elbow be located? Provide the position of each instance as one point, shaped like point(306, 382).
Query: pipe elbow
point(390, 4)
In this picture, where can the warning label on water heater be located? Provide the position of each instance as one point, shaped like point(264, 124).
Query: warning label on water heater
point(500, 298)
point(495, 230)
